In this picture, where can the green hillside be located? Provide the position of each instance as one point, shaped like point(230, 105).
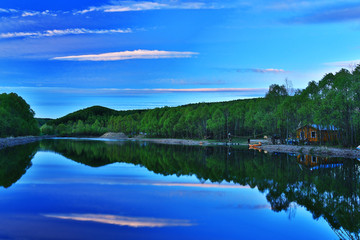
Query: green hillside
point(333, 101)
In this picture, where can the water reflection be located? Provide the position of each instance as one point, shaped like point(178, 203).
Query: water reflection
point(124, 221)
point(317, 162)
point(326, 187)
point(14, 162)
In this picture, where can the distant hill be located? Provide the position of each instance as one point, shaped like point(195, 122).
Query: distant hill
point(85, 114)
point(43, 121)
point(91, 113)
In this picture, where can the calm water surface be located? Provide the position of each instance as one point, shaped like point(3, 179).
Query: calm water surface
point(86, 189)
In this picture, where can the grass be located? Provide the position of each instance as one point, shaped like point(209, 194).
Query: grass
point(241, 140)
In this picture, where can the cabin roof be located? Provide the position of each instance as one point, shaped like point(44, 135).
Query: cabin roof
point(322, 128)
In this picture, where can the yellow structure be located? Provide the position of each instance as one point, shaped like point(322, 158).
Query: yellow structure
point(313, 133)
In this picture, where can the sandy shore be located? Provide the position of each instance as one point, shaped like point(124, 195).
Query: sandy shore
point(313, 150)
point(13, 141)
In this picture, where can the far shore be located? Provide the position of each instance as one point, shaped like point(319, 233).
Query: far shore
point(295, 149)
point(310, 150)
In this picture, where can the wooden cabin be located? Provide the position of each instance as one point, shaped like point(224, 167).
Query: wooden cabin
point(314, 133)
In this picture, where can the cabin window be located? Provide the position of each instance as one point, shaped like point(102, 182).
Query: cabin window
point(313, 159)
point(313, 134)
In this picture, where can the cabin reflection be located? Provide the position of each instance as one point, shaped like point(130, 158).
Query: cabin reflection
point(317, 162)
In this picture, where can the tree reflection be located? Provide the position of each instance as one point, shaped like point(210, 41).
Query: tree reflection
point(328, 188)
point(14, 162)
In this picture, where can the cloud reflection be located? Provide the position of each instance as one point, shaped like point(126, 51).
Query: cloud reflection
point(123, 220)
point(201, 185)
point(254, 207)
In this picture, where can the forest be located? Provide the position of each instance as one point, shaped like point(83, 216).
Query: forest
point(332, 101)
point(16, 117)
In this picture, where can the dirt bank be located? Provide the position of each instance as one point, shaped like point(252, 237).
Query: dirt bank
point(13, 141)
point(114, 135)
point(313, 150)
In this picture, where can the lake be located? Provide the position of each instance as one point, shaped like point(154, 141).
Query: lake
point(93, 189)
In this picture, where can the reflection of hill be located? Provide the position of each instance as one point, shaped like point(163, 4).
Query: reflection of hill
point(14, 162)
point(332, 193)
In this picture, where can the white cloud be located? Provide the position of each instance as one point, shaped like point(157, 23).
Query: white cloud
point(126, 6)
point(57, 32)
point(125, 55)
point(28, 13)
point(9, 10)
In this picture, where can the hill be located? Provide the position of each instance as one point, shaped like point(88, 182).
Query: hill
point(43, 121)
point(333, 101)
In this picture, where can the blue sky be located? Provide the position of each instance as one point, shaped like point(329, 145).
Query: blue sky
point(61, 56)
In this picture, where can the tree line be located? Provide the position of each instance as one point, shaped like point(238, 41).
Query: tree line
point(16, 117)
point(332, 101)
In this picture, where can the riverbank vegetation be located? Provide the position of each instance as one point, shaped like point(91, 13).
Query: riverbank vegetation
point(16, 117)
point(333, 101)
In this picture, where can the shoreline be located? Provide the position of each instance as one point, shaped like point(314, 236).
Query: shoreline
point(15, 141)
point(312, 150)
point(304, 150)
point(307, 150)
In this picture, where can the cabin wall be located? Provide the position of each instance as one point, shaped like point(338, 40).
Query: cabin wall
point(326, 136)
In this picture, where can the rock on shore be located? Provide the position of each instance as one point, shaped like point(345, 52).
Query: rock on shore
point(114, 135)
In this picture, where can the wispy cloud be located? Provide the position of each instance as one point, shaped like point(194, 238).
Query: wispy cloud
point(9, 10)
point(126, 55)
point(261, 70)
point(345, 64)
point(38, 13)
point(59, 32)
point(126, 6)
point(134, 91)
point(28, 13)
point(255, 70)
point(297, 5)
point(347, 11)
point(190, 82)
point(123, 220)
